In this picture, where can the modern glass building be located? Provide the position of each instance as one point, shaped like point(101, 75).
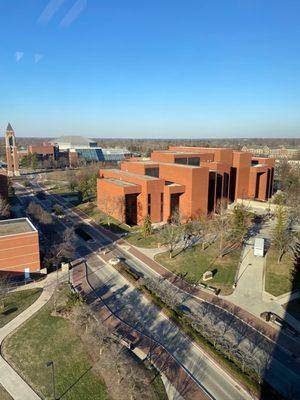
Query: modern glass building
point(88, 150)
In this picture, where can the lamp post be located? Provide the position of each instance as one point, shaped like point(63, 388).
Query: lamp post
point(51, 364)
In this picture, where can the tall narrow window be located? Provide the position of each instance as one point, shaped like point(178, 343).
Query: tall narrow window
point(161, 206)
point(149, 205)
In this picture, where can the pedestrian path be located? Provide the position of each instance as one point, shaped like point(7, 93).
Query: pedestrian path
point(13, 383)
point(249, 293)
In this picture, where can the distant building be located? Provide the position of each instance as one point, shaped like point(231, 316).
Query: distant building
point(189, 180)
point(22, 152)
point(73, 142)
point(19, 246)
point(82, 148)
point(12, 157)
point(278, 153)
point(44, 151)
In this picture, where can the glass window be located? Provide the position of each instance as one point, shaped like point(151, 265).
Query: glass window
point(149, 204)
point(152, 172)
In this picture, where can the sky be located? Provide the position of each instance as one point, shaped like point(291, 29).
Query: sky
point(150, 69)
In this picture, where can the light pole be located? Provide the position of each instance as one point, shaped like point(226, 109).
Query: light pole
point(51, 364)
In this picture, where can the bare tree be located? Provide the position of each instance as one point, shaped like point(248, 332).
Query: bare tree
point(38, 213)
point(171, 234)
point(4, 288)
point(4, 208)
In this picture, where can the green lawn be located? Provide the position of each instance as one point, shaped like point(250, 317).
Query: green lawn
point(279, 276)
point(17, 302)
point(59, 189)
point(45, 337)
point(57, 175)
point(137, 239)
point(101, 218)
point(194, 261)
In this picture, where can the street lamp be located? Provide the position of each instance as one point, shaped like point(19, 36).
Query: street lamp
point(51, 364)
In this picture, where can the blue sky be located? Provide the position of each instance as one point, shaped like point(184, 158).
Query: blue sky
point(159, 68)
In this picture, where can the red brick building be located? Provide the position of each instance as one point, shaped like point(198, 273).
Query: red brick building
point(44, 151)
point(19, 246)
point(192, 180)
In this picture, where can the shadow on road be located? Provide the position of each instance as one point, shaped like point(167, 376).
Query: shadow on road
point(289, 387)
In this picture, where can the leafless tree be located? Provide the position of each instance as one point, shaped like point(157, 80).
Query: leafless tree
point(4, 208)
point(4, 288)
point(171, 235)
point(38, 213)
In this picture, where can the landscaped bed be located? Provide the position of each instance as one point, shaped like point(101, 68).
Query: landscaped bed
point(193, 262)
point(17, 302)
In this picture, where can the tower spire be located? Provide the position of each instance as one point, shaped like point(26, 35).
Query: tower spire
point(9, 128)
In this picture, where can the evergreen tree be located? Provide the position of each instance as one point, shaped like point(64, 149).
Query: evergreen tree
point(281, 237)
point(147, 228)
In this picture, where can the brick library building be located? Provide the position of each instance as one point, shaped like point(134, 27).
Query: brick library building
point(188, 180)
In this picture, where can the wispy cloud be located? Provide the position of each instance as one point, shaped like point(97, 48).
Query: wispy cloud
point(74, 13)
point(19, 55)
point(52, 7)
point(38, 57)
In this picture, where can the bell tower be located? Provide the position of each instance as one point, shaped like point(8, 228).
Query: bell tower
point(12, 158)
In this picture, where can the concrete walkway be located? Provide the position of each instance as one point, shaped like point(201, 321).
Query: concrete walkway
point(249, 293)
point(9, 378)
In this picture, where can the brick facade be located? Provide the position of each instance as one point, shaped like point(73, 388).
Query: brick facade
point(192, 180)
point(44, 150)
point(19, 249)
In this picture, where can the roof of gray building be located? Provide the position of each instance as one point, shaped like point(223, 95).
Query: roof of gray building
point(74, 141)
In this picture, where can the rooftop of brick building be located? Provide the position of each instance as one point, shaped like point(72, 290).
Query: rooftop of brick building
point(15, 226)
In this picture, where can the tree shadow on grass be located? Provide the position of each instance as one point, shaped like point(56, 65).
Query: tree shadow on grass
point(74, 383)
point(9, 311)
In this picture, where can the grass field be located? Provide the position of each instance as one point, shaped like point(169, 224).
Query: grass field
point(279, 276)
point(17, 302)
point(193, 262)
point(57, 175)
point(45, 337)
point(137, 239)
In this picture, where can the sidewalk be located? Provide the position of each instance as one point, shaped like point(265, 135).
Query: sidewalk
point(9, 378)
